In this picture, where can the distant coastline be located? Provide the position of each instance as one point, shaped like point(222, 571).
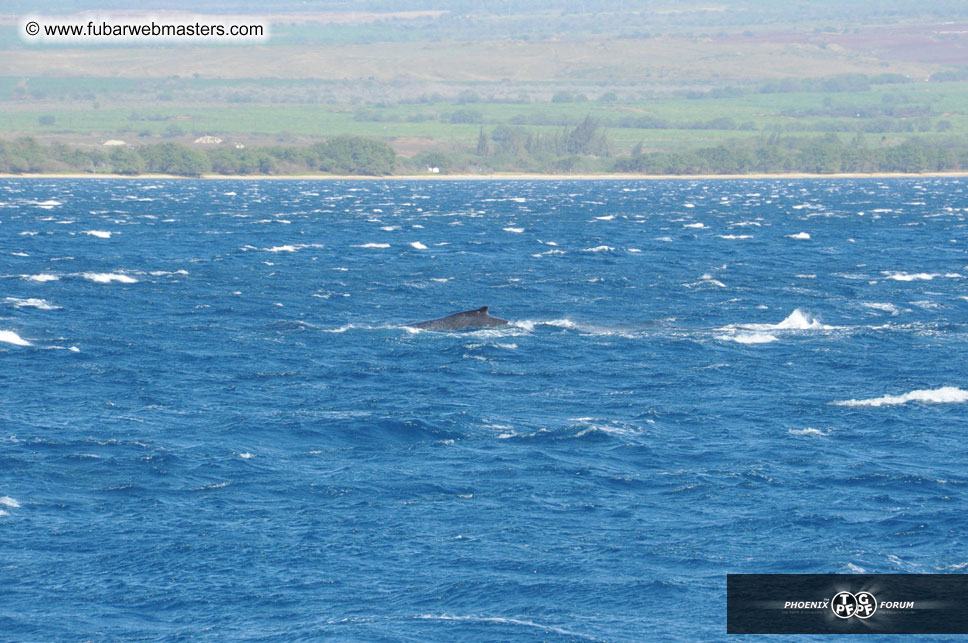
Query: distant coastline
point(513, 176)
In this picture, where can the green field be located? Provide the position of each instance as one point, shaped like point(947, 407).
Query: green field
point(673, 122)
point(672, 78)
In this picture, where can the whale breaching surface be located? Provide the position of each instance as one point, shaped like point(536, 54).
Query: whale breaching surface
point(468, 319)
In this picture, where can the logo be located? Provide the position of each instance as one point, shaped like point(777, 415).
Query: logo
point(847, 605)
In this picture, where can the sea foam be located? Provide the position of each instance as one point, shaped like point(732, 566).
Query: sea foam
point(10, 337)
point(751, 338)
point(31, 302)
point(943, 395)
point(108, 277)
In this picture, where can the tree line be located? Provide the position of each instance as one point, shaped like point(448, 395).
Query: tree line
point(584, 148)
point(340, 155)
point(820, 155)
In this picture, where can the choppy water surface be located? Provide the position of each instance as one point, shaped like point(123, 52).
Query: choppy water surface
point(212, 424)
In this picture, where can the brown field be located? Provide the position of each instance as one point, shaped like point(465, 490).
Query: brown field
point(318, 17)
point(944, 44)
point(645, 61)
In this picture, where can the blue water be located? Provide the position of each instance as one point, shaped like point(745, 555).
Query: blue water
point(213, 426)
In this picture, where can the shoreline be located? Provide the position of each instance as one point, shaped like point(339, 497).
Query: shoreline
point(513, 176)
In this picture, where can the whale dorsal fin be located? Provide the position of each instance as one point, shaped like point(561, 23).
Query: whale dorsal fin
point(482, 309)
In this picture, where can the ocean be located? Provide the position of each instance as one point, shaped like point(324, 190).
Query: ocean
point(215, 425)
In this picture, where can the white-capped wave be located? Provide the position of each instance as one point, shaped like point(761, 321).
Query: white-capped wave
point(735, 236)
point(504, 621)
point(10, 337)
point(7, 501)
point(887, 308)
point(599, 249)
point(101, 234)
point(31, 302)
point(799, 320)
point(417, 245)
point(697, 226)
point(41, 277)
point(943, 395)
point(291, 248)
point(706, 280)
point(515, 230)
point(748, 338)
point(918, 276)
point(373, 245)
point(245, 455)
point(799, 235)
point(108, 277)
point(808, 431)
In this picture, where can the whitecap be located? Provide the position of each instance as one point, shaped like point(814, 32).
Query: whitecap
point(697, 226)
point(750, 338)
point(943, 395)
point(373, 245)
point(799, 320)
point(505, 621)
point(808, 431)
point(245, 455)
point(10, 337)
point(281, 249)
point(919, 276)
point(7, 501)
point(101, 234)
point(887, 308)
point(417, 245)
point(41, 277)
point(799, 235)
point(31, 302)
point(108, 277)
point(515, 230)
point(599, 249)
point(735, 236)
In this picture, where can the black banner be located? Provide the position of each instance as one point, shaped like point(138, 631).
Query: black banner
point(847, 603)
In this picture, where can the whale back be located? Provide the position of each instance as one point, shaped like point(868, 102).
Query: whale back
point(477, 318)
